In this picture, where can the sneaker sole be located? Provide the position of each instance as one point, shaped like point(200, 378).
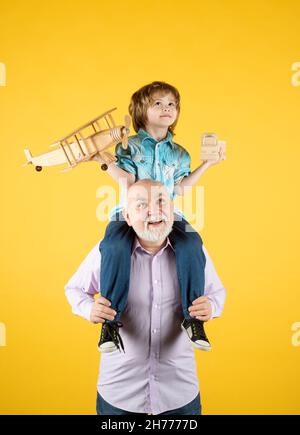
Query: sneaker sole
point(195, 345)
point(198, 346)
point(107, 349)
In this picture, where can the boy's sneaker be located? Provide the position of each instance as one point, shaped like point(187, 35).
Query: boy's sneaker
point(195, 331)
point(110, 337)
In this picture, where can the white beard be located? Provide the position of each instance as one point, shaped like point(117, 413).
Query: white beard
point(155, 235)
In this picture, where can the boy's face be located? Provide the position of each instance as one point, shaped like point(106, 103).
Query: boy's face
point(162, 111)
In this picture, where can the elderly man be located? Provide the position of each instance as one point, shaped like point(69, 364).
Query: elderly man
point(157, 374)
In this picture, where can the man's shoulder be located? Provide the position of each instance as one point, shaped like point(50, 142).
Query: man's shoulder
point(94, 254)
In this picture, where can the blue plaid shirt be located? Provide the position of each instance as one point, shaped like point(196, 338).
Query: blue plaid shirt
point(165, 161)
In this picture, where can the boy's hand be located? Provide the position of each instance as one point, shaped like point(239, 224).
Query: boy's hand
point(201, 309)
point(221, 157)
point(101, 311)
point(95, 158)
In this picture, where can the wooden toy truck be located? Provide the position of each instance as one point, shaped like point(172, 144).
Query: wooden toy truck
point(211, 146)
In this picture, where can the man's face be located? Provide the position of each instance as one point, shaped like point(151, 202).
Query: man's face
point(162, 111)
point(150, 212)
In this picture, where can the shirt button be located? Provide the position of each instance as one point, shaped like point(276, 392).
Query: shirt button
point(155, 282)
point(154, 331)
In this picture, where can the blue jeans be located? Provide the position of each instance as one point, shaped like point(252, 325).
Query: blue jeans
point(105, 408)
point(116, 248)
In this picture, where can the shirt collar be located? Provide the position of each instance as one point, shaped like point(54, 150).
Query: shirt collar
point(143, 134)
point(137, 244)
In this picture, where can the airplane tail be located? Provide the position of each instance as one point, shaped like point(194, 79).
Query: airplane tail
point(28, 156)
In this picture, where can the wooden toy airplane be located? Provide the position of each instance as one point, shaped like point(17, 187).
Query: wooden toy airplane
point(211, 146)
point(84, 143)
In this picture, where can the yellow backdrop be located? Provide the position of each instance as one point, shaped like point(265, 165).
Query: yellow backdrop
point(235, 64)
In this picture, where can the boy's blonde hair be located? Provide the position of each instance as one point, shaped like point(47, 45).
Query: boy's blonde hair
point(142, 98)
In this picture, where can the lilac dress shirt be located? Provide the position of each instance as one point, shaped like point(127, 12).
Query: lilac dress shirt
point(157, 372)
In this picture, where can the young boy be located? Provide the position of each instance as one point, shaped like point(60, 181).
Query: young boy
point(152, 153)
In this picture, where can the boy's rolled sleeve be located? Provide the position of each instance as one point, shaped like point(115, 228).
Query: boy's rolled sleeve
point(125, 161)
point(184, 167)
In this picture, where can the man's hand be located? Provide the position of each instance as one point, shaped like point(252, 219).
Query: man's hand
point(201, 309)
point(101, 311)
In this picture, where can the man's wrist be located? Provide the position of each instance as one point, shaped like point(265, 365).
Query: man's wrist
point(213, 310)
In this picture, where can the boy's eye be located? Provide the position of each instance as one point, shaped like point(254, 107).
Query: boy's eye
point(141, 205)
point(159, 104)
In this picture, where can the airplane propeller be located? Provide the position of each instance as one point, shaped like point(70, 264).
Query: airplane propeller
point(125, 131)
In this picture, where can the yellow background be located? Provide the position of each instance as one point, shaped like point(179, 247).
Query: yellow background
point(67, 62)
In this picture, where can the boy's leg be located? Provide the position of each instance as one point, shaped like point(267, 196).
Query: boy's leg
point(190, 263)
point(115, 251)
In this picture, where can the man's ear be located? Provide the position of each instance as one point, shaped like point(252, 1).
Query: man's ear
point(126, 216)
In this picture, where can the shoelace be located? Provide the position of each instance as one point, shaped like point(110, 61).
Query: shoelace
point(197, 327)
point(113, 333)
